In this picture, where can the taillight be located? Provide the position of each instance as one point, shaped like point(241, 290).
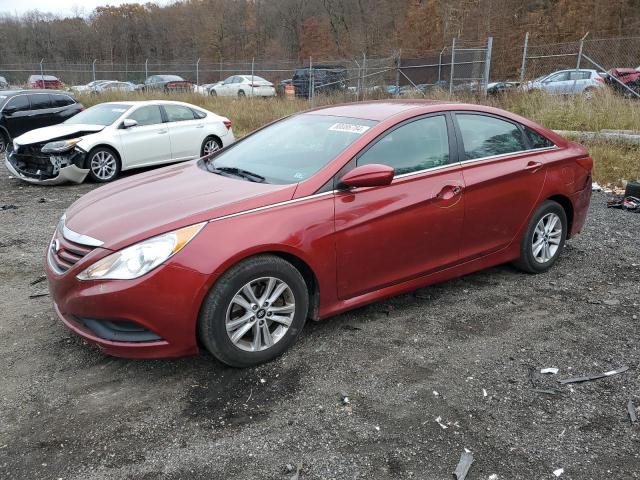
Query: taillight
point(227, 123)
point(600, 79)
point(586, 163)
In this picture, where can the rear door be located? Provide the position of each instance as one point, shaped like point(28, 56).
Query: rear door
point(185, 130)
point(17, 115)
point(42, 112)
point(389, 234)
point(503, 179)
point(148, 142)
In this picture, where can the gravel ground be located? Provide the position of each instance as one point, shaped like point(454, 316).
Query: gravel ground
point(69, 412)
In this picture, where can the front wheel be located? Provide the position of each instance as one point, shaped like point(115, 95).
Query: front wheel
point(241, 94)
point(254, 312)
point(3, 142)
point(213, 93)
point(209, 146)
point(544, 239)
point(104, 165)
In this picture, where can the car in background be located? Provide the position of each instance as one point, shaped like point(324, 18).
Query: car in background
point(567, 82)
point(4, 85)
point(89, 87)
point(624, 81)
point(496, 88)
point(114, 86)
point(24, 110)
point(283, 85)
point(111, 137)
point(45, 82)
point(323, 79)
point(244, 86)
point(167, 83)
point(205, 88)
point(318, 213)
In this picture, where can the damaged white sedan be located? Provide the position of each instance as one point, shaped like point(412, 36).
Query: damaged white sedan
point(108, 138)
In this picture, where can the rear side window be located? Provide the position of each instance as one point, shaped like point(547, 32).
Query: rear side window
point(149, 115)
point(536, 140)
point(58, 100)
point(38, 102)
point(19, 103)
point(579, 75)
point(415, 146)
point(177, 113)
point(485, 136)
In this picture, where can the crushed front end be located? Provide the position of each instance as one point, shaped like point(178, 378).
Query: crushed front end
point(31, 164)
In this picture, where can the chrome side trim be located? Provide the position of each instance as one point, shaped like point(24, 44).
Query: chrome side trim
point(80, 238)
point(274, 205)
point(502, 155)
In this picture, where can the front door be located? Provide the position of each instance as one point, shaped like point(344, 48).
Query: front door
point(148, 142)
point(17, 113)
point(389, 234)
point(502, 182)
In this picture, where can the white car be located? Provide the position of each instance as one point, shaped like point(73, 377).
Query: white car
point(108, 138)
point(244, 86)
point(567, 82)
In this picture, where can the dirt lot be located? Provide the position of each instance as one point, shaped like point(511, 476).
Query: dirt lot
point(67, 411)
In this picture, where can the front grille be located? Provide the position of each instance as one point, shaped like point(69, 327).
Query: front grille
point(64, 254)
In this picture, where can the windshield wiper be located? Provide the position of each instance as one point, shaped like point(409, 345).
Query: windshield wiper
point(252, 177)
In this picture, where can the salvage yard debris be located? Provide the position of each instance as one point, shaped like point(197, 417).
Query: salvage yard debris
point(466, 459)
point(39, 294)
point(631, 408)
point(552, 370)
point(597, 376)
point(558, 472)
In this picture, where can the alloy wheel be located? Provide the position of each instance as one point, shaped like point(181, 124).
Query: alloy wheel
point(103, 165)
point(546, 238)
point(210, 147)
point(3, 143)
point(260, 314)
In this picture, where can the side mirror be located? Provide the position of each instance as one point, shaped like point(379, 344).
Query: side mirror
point(9, 110)
point(128, 123)
point(373, 175)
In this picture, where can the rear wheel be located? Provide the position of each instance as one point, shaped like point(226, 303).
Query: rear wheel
point(241, 93)
point(544, 239)
point(209, 146)
point(104, 164)
point(254, 312)
point(213, 93)
point(4, 142)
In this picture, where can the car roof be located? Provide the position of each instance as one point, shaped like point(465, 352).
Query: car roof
point(8, 93)
point(379, 110)
point(149, 102)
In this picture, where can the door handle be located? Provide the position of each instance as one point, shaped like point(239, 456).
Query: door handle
point(448, 192)
point(533, 166)
point(160, 132)
point(199, 126)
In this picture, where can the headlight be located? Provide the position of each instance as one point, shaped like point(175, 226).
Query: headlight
point(142, 257)
point(60, 145)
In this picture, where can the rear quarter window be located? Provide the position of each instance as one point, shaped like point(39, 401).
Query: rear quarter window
point(39, 102)
point(486, 136)
point(536, 140)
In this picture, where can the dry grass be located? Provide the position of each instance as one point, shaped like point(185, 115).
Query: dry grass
point(613, 162)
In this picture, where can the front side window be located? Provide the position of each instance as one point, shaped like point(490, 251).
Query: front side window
point(485, 136)
point(559, 77)
point(18, 104)
point(177, 113)
point(418, 145)
point(293, 149)
point(102, 114)
point(147, 115)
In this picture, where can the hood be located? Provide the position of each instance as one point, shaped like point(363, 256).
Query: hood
point(54, 132)
point(162, 200)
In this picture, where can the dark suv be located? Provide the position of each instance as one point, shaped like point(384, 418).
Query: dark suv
point(326, 79)
point(24, 110)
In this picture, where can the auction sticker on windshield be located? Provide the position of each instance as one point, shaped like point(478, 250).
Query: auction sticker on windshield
point(348, 128)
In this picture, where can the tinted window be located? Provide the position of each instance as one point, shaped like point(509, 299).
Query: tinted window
point(19, 103)
point(149, 115)
point(485, 136)
point(38, 102)
point(177, 113)
point(61, 100)
point(103, 114)
point(415, 146)
point(537, 140)
point(295, 148)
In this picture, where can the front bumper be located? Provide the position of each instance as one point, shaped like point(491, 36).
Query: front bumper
point(164, 303)
point(70, 173)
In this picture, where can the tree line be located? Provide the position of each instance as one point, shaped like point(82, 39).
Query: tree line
point(216, 30)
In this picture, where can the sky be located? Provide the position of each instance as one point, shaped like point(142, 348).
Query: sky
point(60, 7)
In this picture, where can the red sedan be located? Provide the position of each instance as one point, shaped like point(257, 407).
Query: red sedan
point(315, 214)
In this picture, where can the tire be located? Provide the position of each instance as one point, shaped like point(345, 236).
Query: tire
point(241, 94)
point(210, 145)
point(4, 142)
point(219, 310)
point(540, 258)
point(213, 93)
point(106, 157)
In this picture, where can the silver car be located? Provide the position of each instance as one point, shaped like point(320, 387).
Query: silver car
point(567, 82)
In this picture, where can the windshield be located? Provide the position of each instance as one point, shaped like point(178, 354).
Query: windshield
point(103, 114)
point(292, 149)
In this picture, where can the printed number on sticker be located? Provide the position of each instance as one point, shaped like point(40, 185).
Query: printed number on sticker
point(349, 128)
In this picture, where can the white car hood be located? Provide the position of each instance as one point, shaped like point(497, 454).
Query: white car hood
point(53, 132)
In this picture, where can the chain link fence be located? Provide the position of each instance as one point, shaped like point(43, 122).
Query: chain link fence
point(599, 54)
point(455, 67)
